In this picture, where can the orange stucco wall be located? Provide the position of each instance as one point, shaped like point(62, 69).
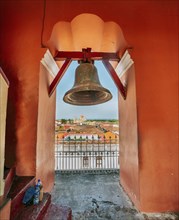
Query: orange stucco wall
point(151, 27)
point(157, 105)
point(20, 57)
point(128, 136)
point(45, 132)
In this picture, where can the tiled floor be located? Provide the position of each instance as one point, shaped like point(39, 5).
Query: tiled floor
point(97, 196)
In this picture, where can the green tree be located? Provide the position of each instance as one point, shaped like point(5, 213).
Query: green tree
point(63, 121)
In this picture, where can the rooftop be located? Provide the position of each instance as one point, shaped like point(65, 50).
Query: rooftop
point(98, 196)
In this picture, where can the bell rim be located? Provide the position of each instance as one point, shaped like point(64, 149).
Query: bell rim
point(107, 97)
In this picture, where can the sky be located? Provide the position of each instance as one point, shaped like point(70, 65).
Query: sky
point(108, 110)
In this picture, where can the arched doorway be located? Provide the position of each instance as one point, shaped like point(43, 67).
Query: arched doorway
point(86, 137)
point(47, 104)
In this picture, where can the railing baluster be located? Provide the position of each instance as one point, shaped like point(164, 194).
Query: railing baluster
point(62, 151)
point(110, 152)
point(57, 153)
point(117, 151)
point(75, 152)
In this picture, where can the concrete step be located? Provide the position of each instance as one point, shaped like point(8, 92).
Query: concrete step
point(5, 206)
point(5, 203)
point(17, 191)
point(35, 212)
point(58, 212)
point(9, 175)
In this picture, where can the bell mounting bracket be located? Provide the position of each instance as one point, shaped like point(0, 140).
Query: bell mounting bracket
point(86, 55)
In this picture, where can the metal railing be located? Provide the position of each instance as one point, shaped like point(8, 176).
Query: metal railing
point(86, 154)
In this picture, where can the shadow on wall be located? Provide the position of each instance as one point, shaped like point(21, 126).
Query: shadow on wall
point(10, 134)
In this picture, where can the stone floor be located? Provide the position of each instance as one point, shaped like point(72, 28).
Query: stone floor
point(98, 196)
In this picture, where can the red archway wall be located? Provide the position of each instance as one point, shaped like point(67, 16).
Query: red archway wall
point(151, 27)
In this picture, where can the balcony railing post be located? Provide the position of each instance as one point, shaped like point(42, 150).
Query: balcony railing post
point(63, 156)
point(116, 150)
point(75, 152)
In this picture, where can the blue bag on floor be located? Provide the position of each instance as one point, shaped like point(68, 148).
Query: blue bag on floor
point(29, 196)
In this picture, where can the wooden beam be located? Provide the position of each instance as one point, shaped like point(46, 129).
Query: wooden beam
point(59, 75)
point(85, 55)
point(115, 77)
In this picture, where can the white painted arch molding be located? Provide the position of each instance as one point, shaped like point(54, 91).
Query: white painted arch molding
point(86, 30)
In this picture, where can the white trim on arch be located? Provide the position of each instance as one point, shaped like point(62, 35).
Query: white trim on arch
point(50, 64)
point(124, 64)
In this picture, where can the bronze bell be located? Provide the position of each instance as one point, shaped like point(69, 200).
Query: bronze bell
point(87, 89)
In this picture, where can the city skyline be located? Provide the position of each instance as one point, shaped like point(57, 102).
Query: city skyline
point(108, 110)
